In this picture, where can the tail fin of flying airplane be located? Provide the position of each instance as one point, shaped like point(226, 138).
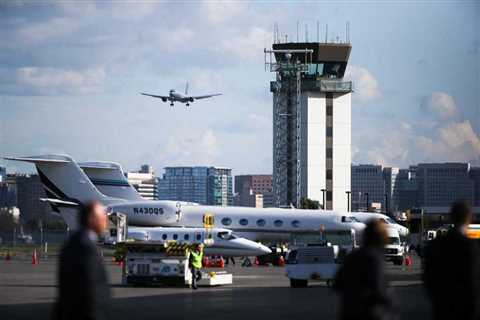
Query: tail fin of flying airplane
point(186, 88)
point(109, 179)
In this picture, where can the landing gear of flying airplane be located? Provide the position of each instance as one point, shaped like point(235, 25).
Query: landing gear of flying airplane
point(171, 104)
point(188, 104)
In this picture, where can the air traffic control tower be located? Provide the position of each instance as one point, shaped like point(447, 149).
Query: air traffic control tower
point(311, 123)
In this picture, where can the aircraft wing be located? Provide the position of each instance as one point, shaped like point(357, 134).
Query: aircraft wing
point(152, 95)
point(206, 96)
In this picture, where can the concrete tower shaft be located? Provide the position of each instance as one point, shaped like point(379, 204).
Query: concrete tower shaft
point(311, 123)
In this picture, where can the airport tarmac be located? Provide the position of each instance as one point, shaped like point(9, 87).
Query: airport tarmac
point(27, 292)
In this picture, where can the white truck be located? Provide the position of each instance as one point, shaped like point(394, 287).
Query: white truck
point(312, 263)
point(395, 250)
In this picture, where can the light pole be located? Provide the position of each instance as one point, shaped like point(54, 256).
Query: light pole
point(368, 201)
point(323, 194)
point(386, 203)
point(348, 200)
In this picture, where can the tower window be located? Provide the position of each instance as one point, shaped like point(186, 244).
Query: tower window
point(329, 195)
point(329, 174)
point(329, 131)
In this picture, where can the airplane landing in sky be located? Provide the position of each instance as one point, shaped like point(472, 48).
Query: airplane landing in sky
point(174, 96)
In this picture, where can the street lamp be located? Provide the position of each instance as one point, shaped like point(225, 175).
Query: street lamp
point(386, 203)
point(368, 201)
point(323, 193)
point(348, 200)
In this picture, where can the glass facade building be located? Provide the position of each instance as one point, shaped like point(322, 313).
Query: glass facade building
point(204, 185)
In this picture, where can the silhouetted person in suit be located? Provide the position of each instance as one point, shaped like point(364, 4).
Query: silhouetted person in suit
point(451, 273)
point(84, 292)
point(360, 281)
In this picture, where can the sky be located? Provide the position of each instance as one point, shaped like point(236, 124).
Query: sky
point(71, 73)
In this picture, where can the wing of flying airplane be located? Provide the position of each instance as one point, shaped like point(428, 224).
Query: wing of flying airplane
point(164, 98)
point(205, 96)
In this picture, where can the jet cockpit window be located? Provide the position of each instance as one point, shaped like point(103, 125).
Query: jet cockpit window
point(243, 222)
point(198, 237)
point(295, 223)
point(186, 237)
point(226, 221)
point(225, 235)
point(261, 222)
point(349, 219)
point(164, 236)
point(175, 236)
point(278, 223)
point(390, 220)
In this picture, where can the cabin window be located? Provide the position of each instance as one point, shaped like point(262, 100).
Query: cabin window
point(164, 236)
point(243, 222)
point(226, 221)
point(198, 237)
point(186, 237)
point(261, 222)
point(278, 223)
point(175, 236)
point(295, 223)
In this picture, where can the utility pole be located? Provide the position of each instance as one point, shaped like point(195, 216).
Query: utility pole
point(348, 200)
point(386, 204)
point(323, 193)
point(368, 202)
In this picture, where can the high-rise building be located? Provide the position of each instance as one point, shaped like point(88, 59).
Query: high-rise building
point(204, 185)
point(440, 184)
point(368, 186)
point(145, 182)
point(29, 191)
point(3, 174)
point(253, 190)
point(311, 122)
point(476, 185)
point(406, 192)
point(390, 175)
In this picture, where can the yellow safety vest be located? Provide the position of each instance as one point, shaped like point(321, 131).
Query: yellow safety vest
point(196, 259)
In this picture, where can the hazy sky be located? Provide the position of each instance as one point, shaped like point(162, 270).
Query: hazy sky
point(70, 75)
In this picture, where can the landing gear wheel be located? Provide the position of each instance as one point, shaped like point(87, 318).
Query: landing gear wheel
point(298, 283)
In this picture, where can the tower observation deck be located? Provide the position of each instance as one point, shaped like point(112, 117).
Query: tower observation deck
point(311, 122)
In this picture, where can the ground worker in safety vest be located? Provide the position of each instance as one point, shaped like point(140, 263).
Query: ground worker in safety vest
point(196, 256)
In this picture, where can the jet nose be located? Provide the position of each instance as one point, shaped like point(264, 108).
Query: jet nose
point(261, 249)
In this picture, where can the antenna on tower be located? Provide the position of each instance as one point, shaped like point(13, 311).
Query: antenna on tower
point(318, 31)
point(326, 33)
point(306, 32)
point(348, 32)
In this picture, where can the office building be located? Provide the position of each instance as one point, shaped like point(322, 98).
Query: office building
point(311, 122)
point(253, 190)
point(407, 189)
point(29, 191)
point(390, 175)
point(3, 174)
point(204, 185)
point(368, 186)
point(145, 182)
point(475, 172)
point(440, 184)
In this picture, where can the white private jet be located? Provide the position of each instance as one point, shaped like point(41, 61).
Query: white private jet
point(174, 96)
point(67, 185)
point(225, 242)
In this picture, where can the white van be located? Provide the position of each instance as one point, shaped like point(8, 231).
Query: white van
point(394, 251)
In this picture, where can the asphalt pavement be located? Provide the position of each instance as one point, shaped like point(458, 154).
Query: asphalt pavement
point(27, 292)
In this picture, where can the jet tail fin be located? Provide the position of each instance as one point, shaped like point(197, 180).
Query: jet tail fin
point(64, 181)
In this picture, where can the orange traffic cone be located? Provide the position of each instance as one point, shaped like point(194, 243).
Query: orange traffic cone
point(221, 263)
point(257, 262)
point(7, 257)
point(34, 257)
point(281, 261)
